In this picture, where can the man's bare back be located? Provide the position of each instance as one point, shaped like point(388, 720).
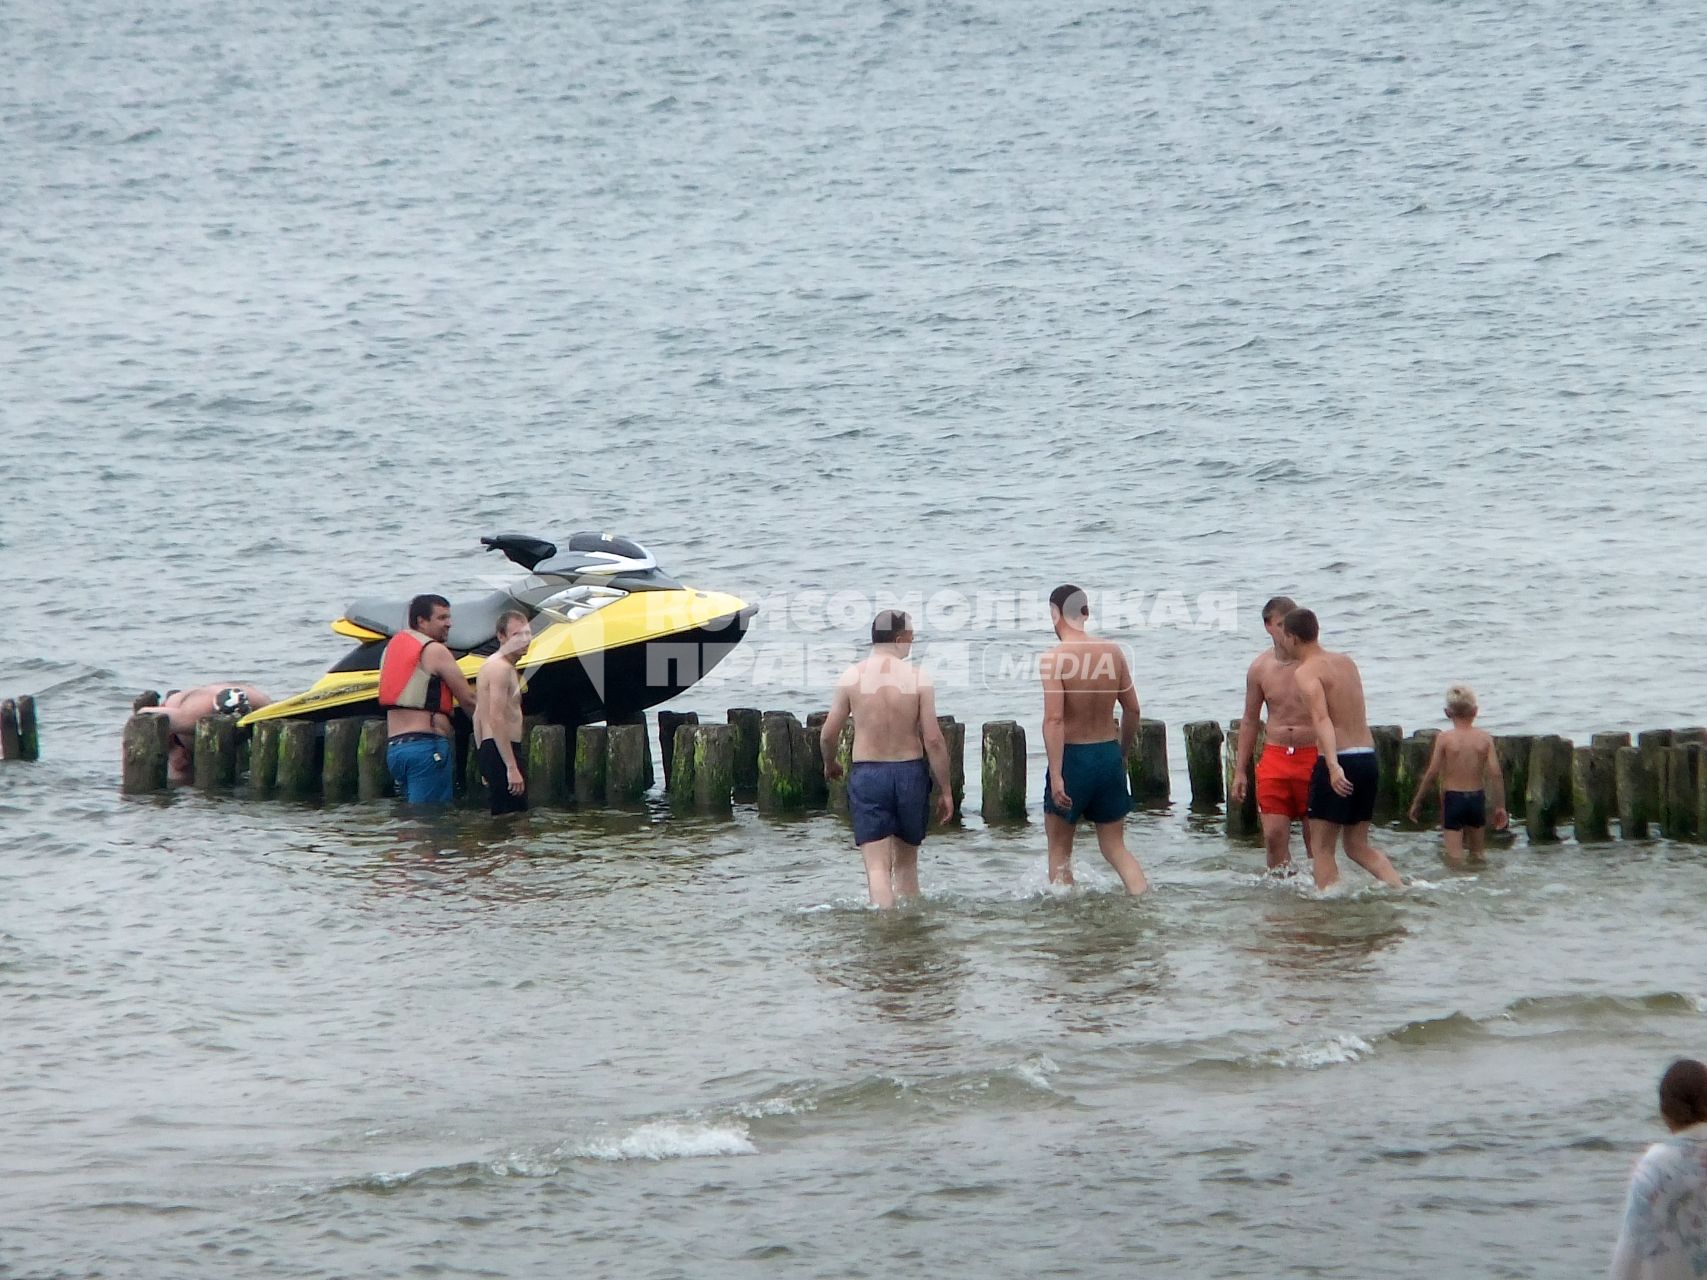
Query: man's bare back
point(1342, 685)
point(887, 697)
point(1093, 674)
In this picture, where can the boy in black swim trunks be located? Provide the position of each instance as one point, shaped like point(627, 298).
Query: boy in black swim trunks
point(1468, 767)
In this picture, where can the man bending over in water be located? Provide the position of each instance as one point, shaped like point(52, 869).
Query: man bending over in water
point(183, 707)
point(498, 716)
point(1342, 788)
point(1082, 680)
point(893, 706)
point(1289, 750)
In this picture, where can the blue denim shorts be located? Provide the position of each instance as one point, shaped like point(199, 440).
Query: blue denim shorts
point(421, 767)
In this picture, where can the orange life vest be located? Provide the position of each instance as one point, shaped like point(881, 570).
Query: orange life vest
point(404, 682)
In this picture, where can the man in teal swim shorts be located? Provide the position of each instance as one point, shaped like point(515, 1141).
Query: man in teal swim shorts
point(1083, 678)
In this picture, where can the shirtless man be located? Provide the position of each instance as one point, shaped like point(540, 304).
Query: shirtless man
point(1082, 680)
point(893, 706)
point(418, 677)
point(498, 716)
point(1289, 753)
point(183, 707)
point(1343, 784)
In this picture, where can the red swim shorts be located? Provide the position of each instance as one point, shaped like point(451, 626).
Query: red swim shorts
point(1283, 780)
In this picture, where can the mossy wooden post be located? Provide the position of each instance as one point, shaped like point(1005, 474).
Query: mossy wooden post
point(1387, 738)
point(298, 776)
point(780, 787)
point(373, 771)
point(744, 749)
point(814, 785)
point(1683, 770)
point(1594, 792)
point(1147, 763)
point(1513, 750)
point(838, 787)
point(668, 723)
point(1242, 818)
point(340, 750)
point(1609, 743)
point(473, 788)
point(1414, 753)
point(11, 748)
point(625, 763)
point(1004, 771)
point(1203, 763)
point(147, 746)
point(592, 756)
point(680, 778)
point(1651, 745)
point(547, 767)
point(215, 753)
point(1632, 785)
point(1548, 801)
point(29, 732)
point(954, 734)
point(647, 772)
point(264, 758)
point(714, 768)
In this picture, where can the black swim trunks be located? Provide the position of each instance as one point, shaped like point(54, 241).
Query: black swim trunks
point(1460, 809)
point(1093, 774)
point(1328, 805)
point(497, 776)
point(889, 798)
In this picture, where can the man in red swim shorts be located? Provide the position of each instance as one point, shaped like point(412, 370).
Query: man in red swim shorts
point(1289, 753)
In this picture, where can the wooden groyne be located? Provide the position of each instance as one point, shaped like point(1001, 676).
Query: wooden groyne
point(19, 737)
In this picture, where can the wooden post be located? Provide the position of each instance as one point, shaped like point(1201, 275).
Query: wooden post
point(1203, 763)
point(1632, 785)
point(373, 770)
point(815, 786)
point(954, 734)
point(299, 759)
point(147, 745)
point(1594, 791)
point(338, 759)
point(1387, 738)
point(681, 776)
point(1414, 752)
point(1242, 819)
point(744, 744)
point(647, 772)
point(474, 788)
point(548, 766)
point(781, 789)
point(1652, 744)
point(626, 763)
point(1547, 802)
point(1610, 743)
point(592, 754)
point(1683, 737)
point(264, 759)
point(11, 748)
point(29, 732)
point(215, 753)
point(714, 768)
point(1683, 769)
point(668, 723)
point(1004, 771)
point(1147, 764)
point(1513, 751)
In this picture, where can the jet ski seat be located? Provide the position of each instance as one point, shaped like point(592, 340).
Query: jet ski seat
point(473, 623)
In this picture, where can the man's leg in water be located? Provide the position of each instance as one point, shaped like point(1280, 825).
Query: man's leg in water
point(906, 873)
point(1477, 839)
point(1323, 839)
point(1111, 839)
point(879, 858)
point(1277, 840)
point(1452, 844)
point(1367, 856)
point(1059, 832)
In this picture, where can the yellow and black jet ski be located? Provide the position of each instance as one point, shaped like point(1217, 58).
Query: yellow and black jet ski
point(612, 635)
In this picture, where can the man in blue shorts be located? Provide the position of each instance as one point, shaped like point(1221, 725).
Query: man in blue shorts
point(1083, 678)
point(898, 752)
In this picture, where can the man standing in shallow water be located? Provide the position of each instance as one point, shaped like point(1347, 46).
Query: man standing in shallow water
point(893, 706)
point(1289, 753)
point(1083, 678)
point(1343, 784)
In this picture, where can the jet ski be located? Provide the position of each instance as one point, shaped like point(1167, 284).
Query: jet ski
point(612, 635)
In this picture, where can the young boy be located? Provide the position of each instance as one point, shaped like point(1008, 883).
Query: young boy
point(1465, 759)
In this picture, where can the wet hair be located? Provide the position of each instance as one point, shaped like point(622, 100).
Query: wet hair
point(507, 621)
point(1461, 701)
point(1301, 624)
point(1281, 605)
point(421, 607)
point(889, 626)
point(1070, 602)
point(1683, 1093)
point(147, 698)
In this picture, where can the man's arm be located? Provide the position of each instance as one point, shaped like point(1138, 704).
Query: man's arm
point(1316, 703)
point(936, 748)
point(1054, 727)
point(830, 736)
point(1248, 726)
point(1128, 698)
point(503, 690)
point(1434, 756)
point(439, 662)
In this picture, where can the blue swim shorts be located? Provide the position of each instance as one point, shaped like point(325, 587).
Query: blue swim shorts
point(889, 798)
point(1093, 774)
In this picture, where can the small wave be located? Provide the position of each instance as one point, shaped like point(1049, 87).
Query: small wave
point(1323, 1053)
point(669, 1140)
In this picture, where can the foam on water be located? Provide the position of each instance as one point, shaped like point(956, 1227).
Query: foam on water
point(668, 1140)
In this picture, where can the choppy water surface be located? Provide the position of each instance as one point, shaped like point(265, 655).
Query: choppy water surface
point(1397, 308)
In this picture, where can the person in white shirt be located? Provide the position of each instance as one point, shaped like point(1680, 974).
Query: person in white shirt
point(1665, 1219)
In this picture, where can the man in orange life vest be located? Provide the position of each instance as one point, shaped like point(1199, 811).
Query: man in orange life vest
point(417, 680)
